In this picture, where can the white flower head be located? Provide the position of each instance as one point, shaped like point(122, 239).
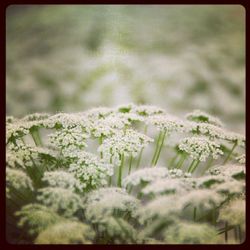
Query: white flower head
point(61, 200)
point(203, 117)
point(200, 148)
point(241, 159)
point(145, 175)
point(128, 142)
point(109, 201)
point(90, 171)
point(66, 232)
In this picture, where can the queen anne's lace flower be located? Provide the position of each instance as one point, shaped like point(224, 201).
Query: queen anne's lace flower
point(66, 232)
point(114, 201)
point(91, 171)
point(117, 231)
point(199, 148)
point(69, 140)
point(241, 159)
point(167, 123)
point(229, 170)
point(62, 179)
point(17, 180)
point(60, 200)
point(128, 142)
point(36, 218)
point(202, 117)
point(234, 213)
point(208, 181)
point(231, 188)
point(167, 186)
point(145, 175)
point(191, 233)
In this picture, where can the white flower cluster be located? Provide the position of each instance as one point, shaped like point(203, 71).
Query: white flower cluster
point(116, 230)
point(200, 148)
point(62, 179)
point(228, 170)
point(36, 218)
point(128, 142)
point(109, 201)
point(208, 181)
point(178, 173)
point(60, 200)
point(91, 171)
point(230, 188)
point(145, 175)
point(241, 159)
point(69, 140)
point(167, 123)
point(234, 213)
point(17, 180)
point(66, 232)
point(191, 233)
point(167, 186)
point(203, 117)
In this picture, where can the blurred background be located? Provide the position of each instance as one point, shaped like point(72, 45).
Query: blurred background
point(74, 57)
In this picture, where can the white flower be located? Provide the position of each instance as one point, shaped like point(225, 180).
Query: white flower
point(203, 117)
point(231, 188)
point(167, 122)
point(241, 159)
point(234, 213)
point(199, 148)
point(69, 140)
point(191, 233)
point(62, 179)
point(17, 181)
point(145, 175)
point(91, 171)
point(229, 170)
point(66, 232)
point(109, 201)
point(167, 186)
point(60, 200)
point(128, 142)
point(36, 218)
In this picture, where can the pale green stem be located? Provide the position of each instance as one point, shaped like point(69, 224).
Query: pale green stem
point(156, 148)
point(140, 155)
point(195, 166)
point(191, 166)
point(230, 153)
point(181, 161)
point(210, 161)
point(119, 181)
point(172, 161)
point(100, 143)
point(160, 148)
point(36, 137)
point(130, 163)
point(239, 233)
point(194, 214)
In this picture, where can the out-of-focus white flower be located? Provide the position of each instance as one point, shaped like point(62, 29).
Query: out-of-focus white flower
point(61, 200)
point(109, 201)
point(17, 180)
point(203, 117)
point(241, 159)
point(199, 148)
point(36, 218)
point(66, 232)
point(231, 188)
point(145, 175)
point(229, 170)
point(62, 179)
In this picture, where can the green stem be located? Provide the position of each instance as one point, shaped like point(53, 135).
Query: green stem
point(100, 143)
point(181, 160)
point(156, 148)
point(172, 161)
point(226, 229)
point(36, 137)
point(160, 148)
point(139, 159)
point(119, 182)
point(193, 166)
point(239, 233)
point(130, 163)
point(194, 214)
point(235, 234)
point(210, 162)
point(230, 153)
